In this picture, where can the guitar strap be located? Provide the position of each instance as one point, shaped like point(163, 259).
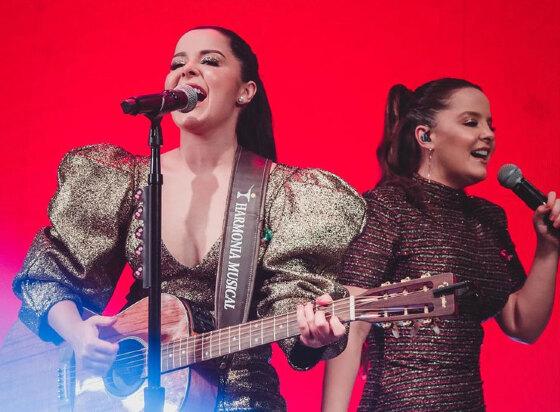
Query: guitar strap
point(242, 233)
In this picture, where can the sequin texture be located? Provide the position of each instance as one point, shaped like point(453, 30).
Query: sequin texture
point(452, 233)
point(96, 221)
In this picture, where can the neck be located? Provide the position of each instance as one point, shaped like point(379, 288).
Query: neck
point(211, 151)
point(434, 174)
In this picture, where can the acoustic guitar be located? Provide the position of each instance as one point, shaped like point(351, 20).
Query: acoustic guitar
point(41, 376)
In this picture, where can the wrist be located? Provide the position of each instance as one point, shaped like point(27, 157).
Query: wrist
point(546, 248)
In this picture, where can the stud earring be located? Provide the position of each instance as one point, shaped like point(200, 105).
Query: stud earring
point(240, 100)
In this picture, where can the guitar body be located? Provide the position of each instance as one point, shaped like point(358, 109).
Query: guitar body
point(41, 376)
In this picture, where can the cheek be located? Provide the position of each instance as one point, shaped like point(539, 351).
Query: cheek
point(171, 80)
point(226, 84)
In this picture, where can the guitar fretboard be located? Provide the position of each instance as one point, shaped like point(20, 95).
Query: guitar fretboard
point(198, 348)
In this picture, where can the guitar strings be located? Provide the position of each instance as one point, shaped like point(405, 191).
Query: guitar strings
point(264, 327)
point(136, 358)
point(198, 348)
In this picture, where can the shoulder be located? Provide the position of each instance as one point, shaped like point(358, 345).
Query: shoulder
point(106, 156)
point(487, 210)
point(314, 183)
point(315, 193)
point(386, 196)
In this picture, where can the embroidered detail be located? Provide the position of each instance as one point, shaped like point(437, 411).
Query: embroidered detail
point(504, 254)
point(138, 213)
point(267, 235)
point(139, 249)
point(139, 195)
point(138, 273)
point(139, 232)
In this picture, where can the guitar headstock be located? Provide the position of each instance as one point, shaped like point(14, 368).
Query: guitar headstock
point(408, 300)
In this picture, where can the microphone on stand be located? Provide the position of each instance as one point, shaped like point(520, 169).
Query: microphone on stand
point(183, 98)
point(510, 177)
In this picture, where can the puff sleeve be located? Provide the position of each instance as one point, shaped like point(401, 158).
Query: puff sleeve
point(81, 255)
point(313, 218)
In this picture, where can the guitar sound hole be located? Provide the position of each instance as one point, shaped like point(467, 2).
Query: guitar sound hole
point(125, 376)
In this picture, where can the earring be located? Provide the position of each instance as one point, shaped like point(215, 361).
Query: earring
point(430, 165)
point(240, 100)
point(425, 137)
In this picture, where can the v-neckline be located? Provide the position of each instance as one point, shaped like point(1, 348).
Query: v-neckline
point(197, 265)
point(216, 243)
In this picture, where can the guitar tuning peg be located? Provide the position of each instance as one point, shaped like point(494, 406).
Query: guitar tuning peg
point(415, 328)
point(426, 321)
point(406, 323)
point(435, 328)
point(395, 331)
point(385, 325)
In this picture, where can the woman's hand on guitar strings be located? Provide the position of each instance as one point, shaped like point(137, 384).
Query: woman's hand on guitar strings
point(315, 329)
point(93, 354)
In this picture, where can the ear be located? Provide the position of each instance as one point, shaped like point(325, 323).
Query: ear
point(246, 93)
point(423, 137)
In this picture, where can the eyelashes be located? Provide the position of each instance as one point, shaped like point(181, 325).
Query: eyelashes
point(208, 60)
point(176, 65)
point(474, 123)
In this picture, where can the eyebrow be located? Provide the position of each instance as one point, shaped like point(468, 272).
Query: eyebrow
point(475, 114)
point(202, 52)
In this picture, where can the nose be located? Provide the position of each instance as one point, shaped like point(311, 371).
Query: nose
point(488, 135)
point(189, 70)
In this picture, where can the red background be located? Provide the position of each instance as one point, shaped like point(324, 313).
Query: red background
point(327, 67)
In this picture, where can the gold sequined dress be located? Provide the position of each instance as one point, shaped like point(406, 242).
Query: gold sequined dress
point(96, 229)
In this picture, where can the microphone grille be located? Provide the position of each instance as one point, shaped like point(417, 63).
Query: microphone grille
point(509, 175)
point(192, 97)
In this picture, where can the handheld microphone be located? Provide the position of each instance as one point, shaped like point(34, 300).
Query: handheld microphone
point(183, 98)
point(510, 176)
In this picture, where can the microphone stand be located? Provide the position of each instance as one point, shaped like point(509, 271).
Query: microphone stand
point(154, 393)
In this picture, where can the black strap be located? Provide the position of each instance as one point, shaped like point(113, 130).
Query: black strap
point(241, 238)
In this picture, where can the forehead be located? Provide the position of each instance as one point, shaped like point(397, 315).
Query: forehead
point(469, 100)
point(203, 39)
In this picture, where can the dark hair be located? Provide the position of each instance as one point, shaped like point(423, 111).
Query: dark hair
point(254, 126)
point(399, 154)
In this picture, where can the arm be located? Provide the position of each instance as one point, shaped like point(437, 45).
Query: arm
point(340, 372)
point(77, 260)
point(313, 217)
point(528, 310)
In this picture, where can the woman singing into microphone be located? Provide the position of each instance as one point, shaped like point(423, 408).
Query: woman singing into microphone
point(310, 217)
point(438, 140)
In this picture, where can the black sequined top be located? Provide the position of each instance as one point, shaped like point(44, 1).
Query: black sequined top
point(448, 231)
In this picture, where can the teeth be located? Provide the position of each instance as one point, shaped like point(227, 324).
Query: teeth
point(480, 153)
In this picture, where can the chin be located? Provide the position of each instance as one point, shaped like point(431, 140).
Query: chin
point(476, 178)
point(187, 121)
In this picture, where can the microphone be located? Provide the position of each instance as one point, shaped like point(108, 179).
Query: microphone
point(183, 98)
point(510, 176)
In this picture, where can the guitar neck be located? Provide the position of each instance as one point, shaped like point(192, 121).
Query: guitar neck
point(407, 300)
point(197, 348)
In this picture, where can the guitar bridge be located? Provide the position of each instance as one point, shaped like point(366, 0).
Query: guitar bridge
point(66, 380)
